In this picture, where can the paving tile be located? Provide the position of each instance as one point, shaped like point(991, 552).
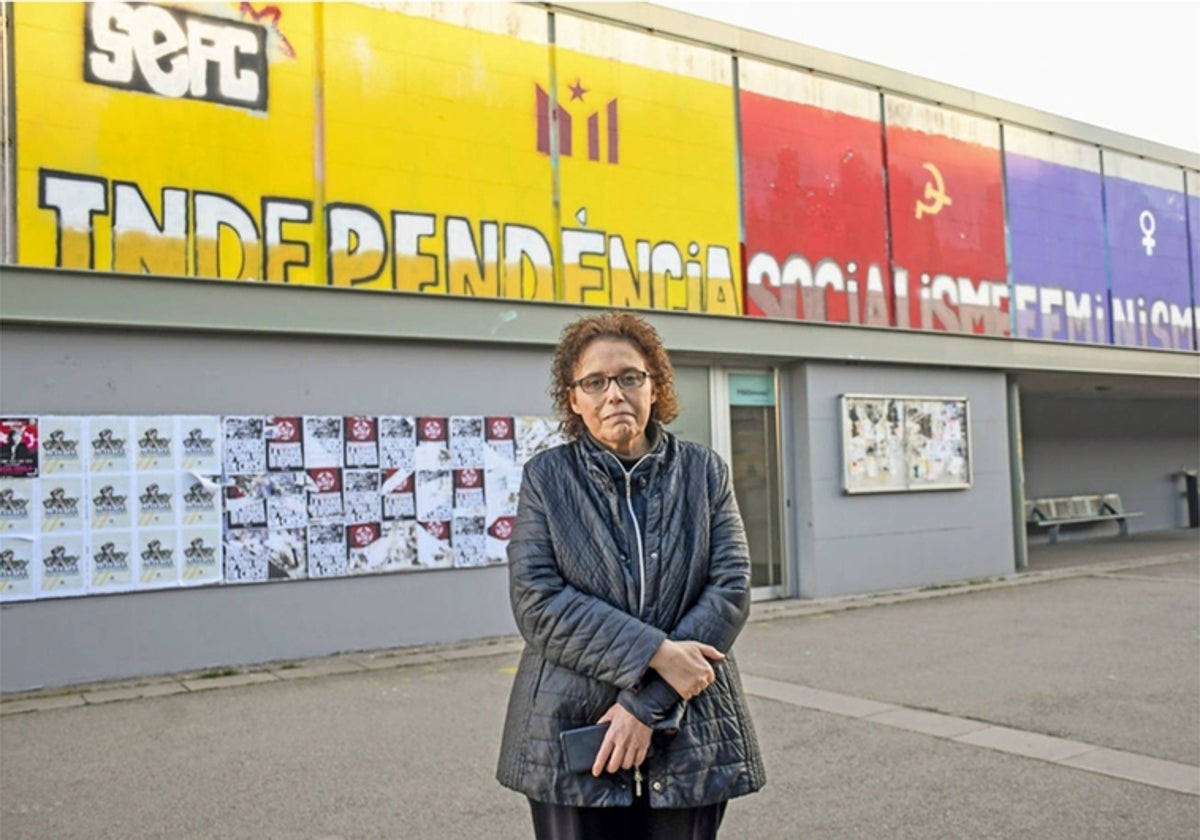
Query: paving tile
point(1139, 768)
point(1029, 744)
point(134, 692)
point(813, 698)
point(229, 682)
point(41, 704)
point(927, 723)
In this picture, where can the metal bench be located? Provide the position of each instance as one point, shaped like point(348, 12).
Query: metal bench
point(1054, 512)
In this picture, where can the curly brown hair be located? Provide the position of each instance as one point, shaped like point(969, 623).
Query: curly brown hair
point(625, 326)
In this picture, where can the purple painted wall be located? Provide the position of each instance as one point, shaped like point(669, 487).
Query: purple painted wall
point(1150, 297)
point(1193, 211)
point(1056, 239)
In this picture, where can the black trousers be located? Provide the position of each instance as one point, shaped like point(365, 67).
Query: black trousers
point(637, 822)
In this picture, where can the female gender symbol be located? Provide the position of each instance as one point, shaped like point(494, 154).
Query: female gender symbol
point(1147, 225)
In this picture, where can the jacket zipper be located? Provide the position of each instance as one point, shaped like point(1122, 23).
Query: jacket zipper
point(637, 530)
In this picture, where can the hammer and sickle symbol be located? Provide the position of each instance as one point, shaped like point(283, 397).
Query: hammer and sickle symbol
point(935, 192)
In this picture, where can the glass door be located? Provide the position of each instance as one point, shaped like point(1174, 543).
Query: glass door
point(753, 455)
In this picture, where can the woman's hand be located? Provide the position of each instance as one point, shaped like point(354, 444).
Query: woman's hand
point(685, 666)
point(625, 744)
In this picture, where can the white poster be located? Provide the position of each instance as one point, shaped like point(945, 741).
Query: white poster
point(199, 444)
point(327, 551)
point(361, 496)
point(470, 541)
point(63, 504)
point(63, 445)
point(499, 433)
point(63, 565)
point(111, 502)
point(433, 444)
point(261, 554)
point(390, 547)
point(156, 500)
point(110, 448)
point(244, 445)
point(18, 569)
point(19, 506)
point(323, 442)
point(398, 495)
point(535, 434)
point(155, 445)
point(200, 502)
point(435, 495)
point(325, 495)
point(434, 550)
point(362, 442)
point(468, 491)
point(158, 557)
point(113, 562)
point(397, 443)
point(285, 443)
point(201, 555)
point(466, 442)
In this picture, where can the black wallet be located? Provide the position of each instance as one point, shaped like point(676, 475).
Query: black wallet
point(581, 746)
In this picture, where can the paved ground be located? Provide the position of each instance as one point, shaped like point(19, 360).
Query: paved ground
point(1062, 703)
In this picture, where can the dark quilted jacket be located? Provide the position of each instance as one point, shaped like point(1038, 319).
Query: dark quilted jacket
point(575, 597)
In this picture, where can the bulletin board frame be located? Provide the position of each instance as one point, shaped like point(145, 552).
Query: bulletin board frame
point(898, 444)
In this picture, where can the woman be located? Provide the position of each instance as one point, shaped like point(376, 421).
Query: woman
point(629, 577)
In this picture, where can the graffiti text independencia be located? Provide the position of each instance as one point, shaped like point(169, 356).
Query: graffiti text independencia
point(182, 232)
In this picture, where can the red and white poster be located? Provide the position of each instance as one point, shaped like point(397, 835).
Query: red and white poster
point(18, 447)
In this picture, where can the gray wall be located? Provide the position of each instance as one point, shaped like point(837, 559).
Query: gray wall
point(847, 544)
point(1080, 445)
point(54, 642)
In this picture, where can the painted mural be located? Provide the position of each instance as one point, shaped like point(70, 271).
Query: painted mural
point(649, 198)
point(946, 205)
point(813, 197)
point(199, 123)
point(1193, 221)
point(1056, 236)
point(474, 149)
point(1148, 252)
point(434, 182)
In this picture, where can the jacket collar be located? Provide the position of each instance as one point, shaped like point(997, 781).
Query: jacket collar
point(606, 467)
point(596, 451)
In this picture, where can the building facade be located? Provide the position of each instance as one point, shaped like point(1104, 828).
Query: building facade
point(281, 286)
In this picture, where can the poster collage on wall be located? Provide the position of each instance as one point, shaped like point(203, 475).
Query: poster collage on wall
point(99, 504)
point(897, 444)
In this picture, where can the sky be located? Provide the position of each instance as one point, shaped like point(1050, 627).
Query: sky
point(1132, 67)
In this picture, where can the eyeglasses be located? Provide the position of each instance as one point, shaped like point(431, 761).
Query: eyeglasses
point(627, 380)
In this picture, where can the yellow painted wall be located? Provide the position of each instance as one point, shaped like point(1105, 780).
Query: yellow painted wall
point(399, 148)
point(122, 180)
point(433, 180)
point(654, 220)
